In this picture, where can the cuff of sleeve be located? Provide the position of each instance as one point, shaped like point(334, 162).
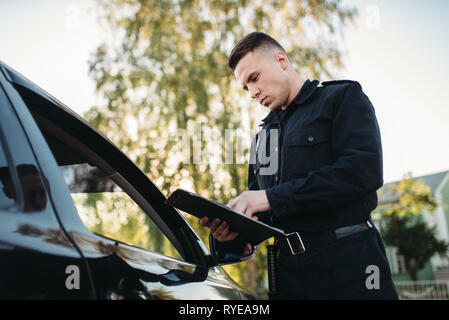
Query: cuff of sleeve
point(281, 200)
point(265, 216)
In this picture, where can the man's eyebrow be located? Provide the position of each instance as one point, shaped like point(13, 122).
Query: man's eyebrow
point(247, 79)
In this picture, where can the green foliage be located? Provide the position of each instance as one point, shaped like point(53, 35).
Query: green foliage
point(409, 197)
point(164, 68)
point(405, 228)
point(117, 216)
point(415, 240)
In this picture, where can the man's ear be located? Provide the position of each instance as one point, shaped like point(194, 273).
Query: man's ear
point(281, 58)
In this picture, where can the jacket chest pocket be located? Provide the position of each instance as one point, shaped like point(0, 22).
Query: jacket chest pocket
point(307, 150)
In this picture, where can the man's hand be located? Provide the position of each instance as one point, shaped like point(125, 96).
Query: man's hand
point(218, 229)
point(251, 202)
point(248, 202)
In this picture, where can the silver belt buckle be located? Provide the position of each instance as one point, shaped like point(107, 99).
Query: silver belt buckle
point(295, 243)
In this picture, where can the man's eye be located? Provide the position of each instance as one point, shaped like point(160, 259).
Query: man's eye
point(255, 78)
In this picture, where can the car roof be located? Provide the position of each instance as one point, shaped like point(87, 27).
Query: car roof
point(16, 78)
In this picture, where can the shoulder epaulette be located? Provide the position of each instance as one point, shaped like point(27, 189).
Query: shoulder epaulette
point(329, 83)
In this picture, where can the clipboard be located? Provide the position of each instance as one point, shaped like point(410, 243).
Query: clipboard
point(252, 231)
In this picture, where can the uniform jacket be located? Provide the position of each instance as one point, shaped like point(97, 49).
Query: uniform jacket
point(328, 158)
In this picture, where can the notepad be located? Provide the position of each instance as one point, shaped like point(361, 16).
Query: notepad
point(252, 231)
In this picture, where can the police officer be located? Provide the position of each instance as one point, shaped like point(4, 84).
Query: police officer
point(320, 181)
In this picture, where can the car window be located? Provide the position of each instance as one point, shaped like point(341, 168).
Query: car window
point(103, 206)
point(109, 211)
point(22, 185)
point(6, 186)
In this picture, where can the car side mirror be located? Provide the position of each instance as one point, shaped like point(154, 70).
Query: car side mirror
point(230, 251)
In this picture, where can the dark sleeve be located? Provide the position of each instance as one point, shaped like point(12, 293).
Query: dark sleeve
point(356, 171)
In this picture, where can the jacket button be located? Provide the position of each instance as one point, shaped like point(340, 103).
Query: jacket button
point(310, 139)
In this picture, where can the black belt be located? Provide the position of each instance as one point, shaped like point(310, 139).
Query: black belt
point(294, 244)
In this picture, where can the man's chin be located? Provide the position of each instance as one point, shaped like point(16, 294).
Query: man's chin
point(272, 107)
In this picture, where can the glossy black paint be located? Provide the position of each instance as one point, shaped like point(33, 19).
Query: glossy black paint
point(37, 244)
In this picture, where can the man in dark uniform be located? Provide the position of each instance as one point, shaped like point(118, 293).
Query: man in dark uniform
point(327, 163)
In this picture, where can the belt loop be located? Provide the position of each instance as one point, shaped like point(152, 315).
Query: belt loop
point(295, 243)
point(291, 243)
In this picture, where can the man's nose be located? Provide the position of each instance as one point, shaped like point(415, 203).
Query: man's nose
point(255, 92)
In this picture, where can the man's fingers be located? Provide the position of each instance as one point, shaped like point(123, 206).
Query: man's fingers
point(204, 221)
point(227, 235)
point(222, 232)
point(231, 236)
point(233, 202)
point(247, 249)
point(241, 206)
point(214, 225)
point(220, 229)
point(250, 213)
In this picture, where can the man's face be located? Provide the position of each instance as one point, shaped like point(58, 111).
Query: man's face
point(262, 73)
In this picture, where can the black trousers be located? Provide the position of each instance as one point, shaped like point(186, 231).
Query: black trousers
point(353, 267)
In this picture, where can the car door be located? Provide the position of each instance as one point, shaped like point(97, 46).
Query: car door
point(92, 171)
point(36, 256)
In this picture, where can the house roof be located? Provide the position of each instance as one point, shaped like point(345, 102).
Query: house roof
point(433, 180)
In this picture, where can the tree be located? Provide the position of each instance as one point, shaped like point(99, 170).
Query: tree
point(415, 240)
point(169, 97)
point(405, 228)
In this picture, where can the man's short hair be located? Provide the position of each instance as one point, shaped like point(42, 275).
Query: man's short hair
point(249, 43)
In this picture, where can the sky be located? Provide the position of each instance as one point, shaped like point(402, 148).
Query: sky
point(395, 49)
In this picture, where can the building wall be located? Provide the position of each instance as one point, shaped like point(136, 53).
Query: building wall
point(425, 273)
point(444, 193)
point(440, 219)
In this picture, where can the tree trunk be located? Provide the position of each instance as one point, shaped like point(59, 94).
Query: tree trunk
point(413, 271)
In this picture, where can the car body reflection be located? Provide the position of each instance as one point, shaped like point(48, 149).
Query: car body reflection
point(33, 191)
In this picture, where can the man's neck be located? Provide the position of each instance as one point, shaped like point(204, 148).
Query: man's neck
point(296, 84)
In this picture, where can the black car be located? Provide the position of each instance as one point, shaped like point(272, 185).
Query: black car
point(62, 185)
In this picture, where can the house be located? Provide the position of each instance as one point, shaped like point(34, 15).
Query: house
point(437, 268)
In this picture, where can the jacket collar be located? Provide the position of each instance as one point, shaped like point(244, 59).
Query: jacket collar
point(306, 91)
